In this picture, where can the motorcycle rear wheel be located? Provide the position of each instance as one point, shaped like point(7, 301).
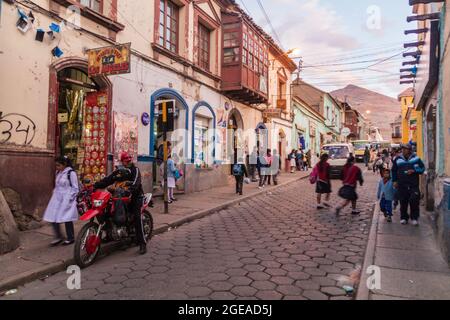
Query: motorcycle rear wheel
point(147, 223)
point(82, 258)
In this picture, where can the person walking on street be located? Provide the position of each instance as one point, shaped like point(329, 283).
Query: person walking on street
point(275, 167)
point(171, 180)
point(367, 157)
point(323, 182)
point(308, 159)
point(299, 159)
point(292, 157)
point(239, 172)
point(253, 160)
point(62, 207)
point(405, 174)
point(265, 163)
point(386, 194)
point(351, 175)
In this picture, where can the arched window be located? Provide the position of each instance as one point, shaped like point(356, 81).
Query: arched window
point(203, 135)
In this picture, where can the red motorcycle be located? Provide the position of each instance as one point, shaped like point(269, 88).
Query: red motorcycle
point(104, 224)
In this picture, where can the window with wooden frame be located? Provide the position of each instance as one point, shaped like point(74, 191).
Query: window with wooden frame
point(231, 43)
point(96, 5)
point(204, 47)
point(168, 25)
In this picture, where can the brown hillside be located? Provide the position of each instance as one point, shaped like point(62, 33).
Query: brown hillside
point(383, 109)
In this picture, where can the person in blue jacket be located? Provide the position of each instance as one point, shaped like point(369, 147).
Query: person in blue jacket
point(386, 194)
point(406, 170)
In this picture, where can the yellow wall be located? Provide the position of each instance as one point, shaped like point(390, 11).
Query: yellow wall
point(405, 101)
point(417, 136)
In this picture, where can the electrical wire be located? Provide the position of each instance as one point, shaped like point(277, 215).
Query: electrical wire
point(274, 32)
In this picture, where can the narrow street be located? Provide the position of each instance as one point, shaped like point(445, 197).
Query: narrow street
point(274, 246)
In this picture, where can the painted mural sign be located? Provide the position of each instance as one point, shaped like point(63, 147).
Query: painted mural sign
point(109, 60)
point(16, 128)
point(125, 135)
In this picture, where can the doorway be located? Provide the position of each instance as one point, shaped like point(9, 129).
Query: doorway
point(82, 124)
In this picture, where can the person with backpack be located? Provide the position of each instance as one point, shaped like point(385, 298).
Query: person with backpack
point(351, 175)
point(62, 207)
point(239, 172)
point(321, 177)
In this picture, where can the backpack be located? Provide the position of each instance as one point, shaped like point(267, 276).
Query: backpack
point(68, 176)
point(237, 170)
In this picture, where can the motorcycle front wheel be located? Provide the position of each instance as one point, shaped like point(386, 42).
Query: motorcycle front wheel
point(87, 245)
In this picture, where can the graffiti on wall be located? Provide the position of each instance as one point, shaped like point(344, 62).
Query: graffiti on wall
point(17, 128)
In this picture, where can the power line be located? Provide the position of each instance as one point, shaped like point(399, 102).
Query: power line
point(274, 32)
point(245, 7)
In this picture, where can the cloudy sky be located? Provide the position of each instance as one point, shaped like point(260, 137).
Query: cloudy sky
point(341, 41)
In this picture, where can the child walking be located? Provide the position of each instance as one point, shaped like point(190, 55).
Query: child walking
point(323, 184)
point(352, 174)
point(386, 194)
point(239, 171)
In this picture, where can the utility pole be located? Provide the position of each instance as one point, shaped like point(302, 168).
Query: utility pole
point(166, 156)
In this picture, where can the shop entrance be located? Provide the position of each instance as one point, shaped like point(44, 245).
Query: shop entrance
point(82, 123)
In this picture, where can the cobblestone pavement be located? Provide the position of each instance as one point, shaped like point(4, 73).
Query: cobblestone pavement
point(274, 246)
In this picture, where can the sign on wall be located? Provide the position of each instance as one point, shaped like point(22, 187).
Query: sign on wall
point(109, 60)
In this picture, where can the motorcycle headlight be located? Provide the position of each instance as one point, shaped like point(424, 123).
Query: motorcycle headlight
point(97, 203)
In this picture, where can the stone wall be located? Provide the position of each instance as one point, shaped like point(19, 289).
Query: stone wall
point(9, 234)
point(203, 179)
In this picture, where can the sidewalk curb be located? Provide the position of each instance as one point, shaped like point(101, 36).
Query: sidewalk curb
point(55, 267)
point(369, 259)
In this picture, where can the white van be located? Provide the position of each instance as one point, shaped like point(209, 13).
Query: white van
point(338, 154)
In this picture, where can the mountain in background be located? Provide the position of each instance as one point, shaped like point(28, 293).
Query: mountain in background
point(383, 109)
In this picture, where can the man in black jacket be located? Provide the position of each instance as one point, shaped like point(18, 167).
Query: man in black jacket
point(405, 174)
point(131, 174)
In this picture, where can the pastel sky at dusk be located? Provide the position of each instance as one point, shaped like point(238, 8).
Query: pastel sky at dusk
point(333, 37)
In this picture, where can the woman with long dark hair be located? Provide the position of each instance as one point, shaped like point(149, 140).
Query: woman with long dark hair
point(62, 207)
point(323, 183)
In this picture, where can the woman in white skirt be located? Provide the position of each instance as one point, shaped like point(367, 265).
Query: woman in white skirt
point(171, 181)
point(62, 207)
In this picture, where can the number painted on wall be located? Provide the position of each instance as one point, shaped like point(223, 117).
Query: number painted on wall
point(15, 127)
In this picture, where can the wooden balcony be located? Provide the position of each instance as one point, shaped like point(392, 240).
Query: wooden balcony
point(244, 61)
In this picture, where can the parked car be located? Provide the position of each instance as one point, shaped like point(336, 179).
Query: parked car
point(338, 154)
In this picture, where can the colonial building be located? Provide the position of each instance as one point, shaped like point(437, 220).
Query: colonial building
point(324, 104)
point(431, 101)
point(207, 60)
point(411, 121)
point(397, 130)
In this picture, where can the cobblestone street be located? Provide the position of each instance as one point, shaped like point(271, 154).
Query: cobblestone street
point(274, 246)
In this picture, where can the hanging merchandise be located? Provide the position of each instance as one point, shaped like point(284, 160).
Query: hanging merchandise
point(57, 52)
point(55, 27)
point(51, 35)
point(40, 35)
point(22, 24)
point(31, 17)
point(95, 141)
